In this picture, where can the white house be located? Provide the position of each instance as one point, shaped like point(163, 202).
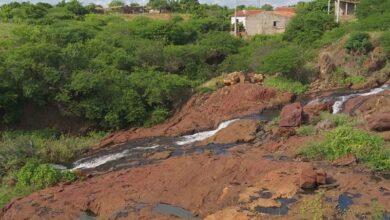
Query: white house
point(242, 16)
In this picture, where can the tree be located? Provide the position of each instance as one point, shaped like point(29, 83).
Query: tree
point(267, 7)
point(310, 23)
point(159, 4)
point(115, 3)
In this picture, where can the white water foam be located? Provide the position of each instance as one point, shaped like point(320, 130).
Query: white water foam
point(95, 162)
point(203, 135)
point(338, 105)
point(147, 148)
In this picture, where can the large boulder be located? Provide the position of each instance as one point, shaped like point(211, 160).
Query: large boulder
point(239, 131)
point(291, 115)
point(256, 77)
point(234, 78)
point(379, 121)
point(310, 178)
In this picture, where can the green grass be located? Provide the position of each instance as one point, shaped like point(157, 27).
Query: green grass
point(313, 208)
point(354, 80)
point(369, 148)
point(24, 157)
point(306, 130)
point(285, 85)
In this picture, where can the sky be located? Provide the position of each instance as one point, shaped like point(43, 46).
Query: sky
point(229, 3)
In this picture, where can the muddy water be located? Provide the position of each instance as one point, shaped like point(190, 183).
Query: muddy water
point(135, 153)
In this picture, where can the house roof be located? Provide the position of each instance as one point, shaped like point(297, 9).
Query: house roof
point(246, 13)
point(285, 11)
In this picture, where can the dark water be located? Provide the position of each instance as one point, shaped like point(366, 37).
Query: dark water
point(345, 200)
point(171, 210)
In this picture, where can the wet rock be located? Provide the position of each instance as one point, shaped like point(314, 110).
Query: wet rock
point(379, 122)
point(325, 124)
point(291, 115)
point(239, 131)
point(311, 178)
point(368, 105)
point(234, 78)
point(345, 161)
point(159, 155)
point(256, 78)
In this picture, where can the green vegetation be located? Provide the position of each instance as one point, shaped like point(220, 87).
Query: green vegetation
point(24, 158)
point(359, 42)
point(306, 130)
point(110, 71)
point(368, 148)
point(284, 84)
point(336, 119)
point(313, 207)
point(38, 176)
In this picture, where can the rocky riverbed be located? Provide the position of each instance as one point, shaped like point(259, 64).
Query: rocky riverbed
point(223, 156)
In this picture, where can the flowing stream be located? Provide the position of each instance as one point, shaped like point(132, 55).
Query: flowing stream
point(135, 153)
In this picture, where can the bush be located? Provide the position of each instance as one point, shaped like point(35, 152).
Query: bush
point(285, 85)
point(368, 148)
point(286, 60)
point(359, 42)
point(308, 26)
point(39, 176)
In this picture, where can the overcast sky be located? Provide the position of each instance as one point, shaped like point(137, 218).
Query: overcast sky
point(229, 3)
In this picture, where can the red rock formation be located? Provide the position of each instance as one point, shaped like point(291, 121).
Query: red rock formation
point(204, 111)
point(291, 115)
point(379, 121)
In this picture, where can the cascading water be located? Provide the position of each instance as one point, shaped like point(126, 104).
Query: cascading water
point(86, 163)
point(130, 153)
point(188, 139)
point(338, 105)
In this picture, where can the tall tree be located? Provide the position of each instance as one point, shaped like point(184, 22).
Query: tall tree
point(115, 3)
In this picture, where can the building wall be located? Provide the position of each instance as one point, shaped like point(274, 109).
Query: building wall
point(346, 8)
point(266, 23)
point(240, 20)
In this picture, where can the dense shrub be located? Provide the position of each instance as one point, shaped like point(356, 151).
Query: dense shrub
point(39, 176)
point(359, 42)
point(310, 23)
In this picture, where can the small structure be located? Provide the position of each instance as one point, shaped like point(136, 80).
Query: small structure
point(345, 9)
point(265, 22)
